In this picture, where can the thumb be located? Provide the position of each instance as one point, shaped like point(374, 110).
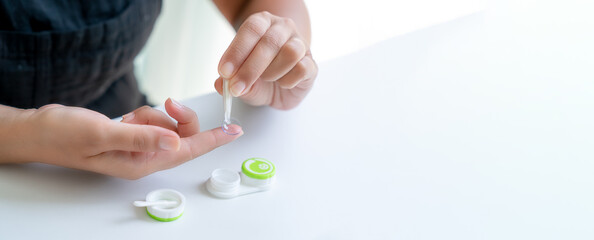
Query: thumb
point(141, 138)
point(219, 85)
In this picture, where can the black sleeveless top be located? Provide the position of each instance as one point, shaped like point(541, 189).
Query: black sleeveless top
point(73, 52)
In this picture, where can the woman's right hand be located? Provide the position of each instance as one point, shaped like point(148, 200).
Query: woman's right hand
point(145, 142)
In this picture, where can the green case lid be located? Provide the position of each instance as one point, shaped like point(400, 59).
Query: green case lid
point(258, 168)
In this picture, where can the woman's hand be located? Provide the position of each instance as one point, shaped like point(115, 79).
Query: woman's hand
point(144, 142)
point(268, 63)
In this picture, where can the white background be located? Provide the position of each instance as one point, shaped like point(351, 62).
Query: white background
point(477, 128)
point(182, 55)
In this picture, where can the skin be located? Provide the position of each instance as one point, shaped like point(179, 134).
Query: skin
point(144, 142)
point(268, 63)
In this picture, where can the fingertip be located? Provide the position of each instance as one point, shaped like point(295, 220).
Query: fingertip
point(176, 103)
point(218, 85)
point(174, 108)
point(222, 137)
point(187, 119)
point(232, 129)
point(209, 140)
point(127, 118)
point(226, 70)
point(168, 101)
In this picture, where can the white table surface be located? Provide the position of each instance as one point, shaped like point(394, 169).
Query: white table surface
point(479, 128)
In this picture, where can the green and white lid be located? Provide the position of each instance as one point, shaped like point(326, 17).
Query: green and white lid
point(258, 168)
point(165, 213)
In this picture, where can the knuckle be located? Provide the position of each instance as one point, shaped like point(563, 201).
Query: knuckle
point(144, 108)
point(301, 69)
point(294, 50)
point(96, 137)
point(234, 53)
point(272, 39)
point(264, 14)
point(143, 111)
point(51, 105)
point(247, 74)
point(98, 133)
point(289, 22)
point(213, 139)
point(256, 97)
point(140, 142)
point(287, 84)
point(256, 25)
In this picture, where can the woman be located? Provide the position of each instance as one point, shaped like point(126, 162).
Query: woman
point(55, 54)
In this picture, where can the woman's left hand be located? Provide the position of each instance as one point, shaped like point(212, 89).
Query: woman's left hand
point(268, 63)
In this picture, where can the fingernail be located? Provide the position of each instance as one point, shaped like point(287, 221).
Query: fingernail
point(177, 104)
point(237, 89)
point(227, 70)
point(128, 117)
point(169, 143)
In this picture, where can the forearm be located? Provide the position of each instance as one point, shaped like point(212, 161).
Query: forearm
point(10, 129)
point(237, 11)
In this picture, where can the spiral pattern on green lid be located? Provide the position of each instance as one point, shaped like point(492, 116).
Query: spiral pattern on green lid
point(258, 168)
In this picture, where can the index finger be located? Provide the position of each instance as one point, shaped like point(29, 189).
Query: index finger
point(193, 147)
point(136, 165)
point(248, 35)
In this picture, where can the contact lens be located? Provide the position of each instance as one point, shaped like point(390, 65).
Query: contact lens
point(232, 127)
